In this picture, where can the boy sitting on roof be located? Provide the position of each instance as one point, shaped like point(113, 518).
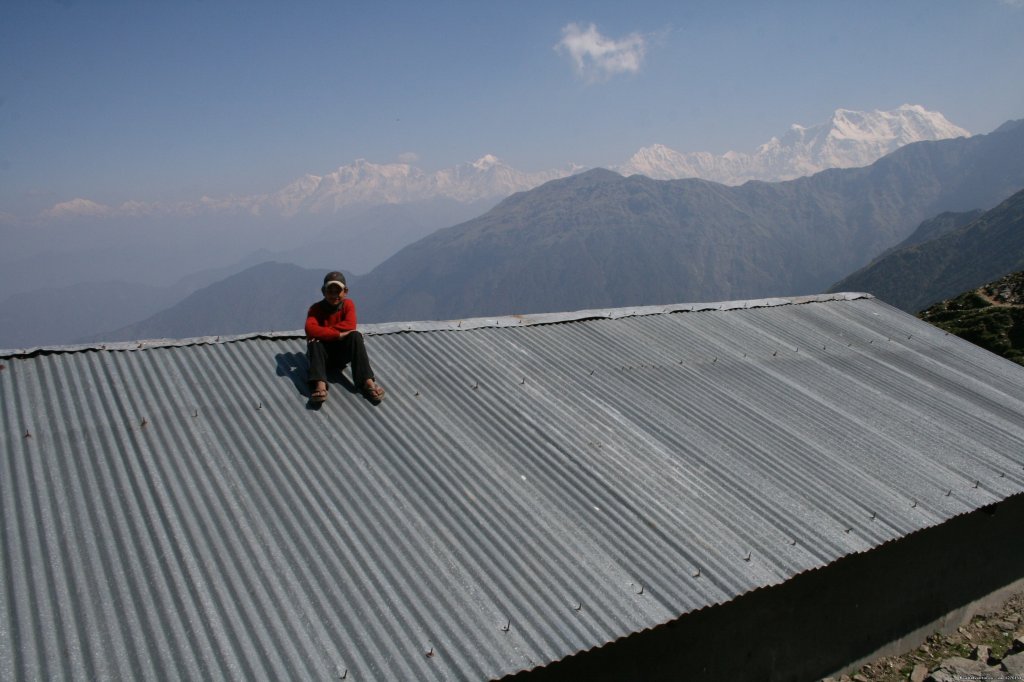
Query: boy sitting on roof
point(332, 340)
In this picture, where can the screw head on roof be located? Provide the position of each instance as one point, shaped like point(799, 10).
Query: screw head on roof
point(144, 421)
point(577, 606)
point(28, 434)
point(507, 625)
point(430, 652)
point(697, 573)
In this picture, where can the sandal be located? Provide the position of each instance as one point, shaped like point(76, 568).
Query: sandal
point(374, 393)
point(318, 395)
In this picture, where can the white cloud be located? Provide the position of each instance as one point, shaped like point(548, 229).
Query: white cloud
point(408, 157)
point(597, 57)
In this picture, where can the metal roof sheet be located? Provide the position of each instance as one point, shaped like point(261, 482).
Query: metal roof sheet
point(531, 487)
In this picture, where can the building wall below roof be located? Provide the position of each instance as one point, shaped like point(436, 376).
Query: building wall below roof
point(881, 602)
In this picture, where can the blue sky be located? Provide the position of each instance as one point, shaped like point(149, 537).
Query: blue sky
point(167, 100)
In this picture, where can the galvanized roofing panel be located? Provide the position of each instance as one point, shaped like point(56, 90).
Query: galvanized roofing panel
point(531, 486)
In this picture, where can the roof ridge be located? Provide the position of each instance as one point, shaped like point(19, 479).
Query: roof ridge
point(463, 324)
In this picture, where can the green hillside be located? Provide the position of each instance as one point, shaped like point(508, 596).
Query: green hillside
point(991, 316)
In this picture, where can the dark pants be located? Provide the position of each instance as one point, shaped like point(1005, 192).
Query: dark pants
point(348, 350)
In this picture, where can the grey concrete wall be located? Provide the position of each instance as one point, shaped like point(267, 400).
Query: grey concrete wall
point(825, 620)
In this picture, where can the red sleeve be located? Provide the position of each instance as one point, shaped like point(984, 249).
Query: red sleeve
point(316, 325)
point(347, 320)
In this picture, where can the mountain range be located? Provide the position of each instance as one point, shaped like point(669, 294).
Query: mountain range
point(848, 139)
point(598, 239)
point(354, 217)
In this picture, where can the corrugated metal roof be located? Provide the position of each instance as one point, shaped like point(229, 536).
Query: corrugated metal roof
point(531, 486)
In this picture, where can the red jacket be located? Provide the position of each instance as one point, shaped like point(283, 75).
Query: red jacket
point(324, 322)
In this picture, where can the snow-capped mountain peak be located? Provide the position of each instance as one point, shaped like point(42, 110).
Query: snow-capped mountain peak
point(486, 162)
point(849, 139)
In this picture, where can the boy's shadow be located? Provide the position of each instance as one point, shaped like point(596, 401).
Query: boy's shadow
point(295, 366)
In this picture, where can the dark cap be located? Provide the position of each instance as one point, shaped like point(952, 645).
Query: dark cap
point(332, 277)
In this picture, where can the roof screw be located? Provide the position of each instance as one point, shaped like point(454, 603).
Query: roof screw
point(949, 492)
point(476, 385)
point(342, 672)
point(909, 336)
point(792, 542)
point(1002, 475)
point(847, 530)
point(873, 517)
point(591, 372)
point(914, 505)
point(774, 353)
point(747, 558)
point(28, 434)
point(144, 421)
point(260, 405)
point(578, 606)
point(417, 394)
point(641, 590)
point(195, 413)
point(430, 652)
point(976, 484)
point(507, 625)
point(460, 323)
point(523, 382)
point(697, 574)
point(714, 360)
point(140, 344)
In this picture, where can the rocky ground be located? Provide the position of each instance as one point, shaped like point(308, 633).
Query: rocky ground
point(990, 647)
